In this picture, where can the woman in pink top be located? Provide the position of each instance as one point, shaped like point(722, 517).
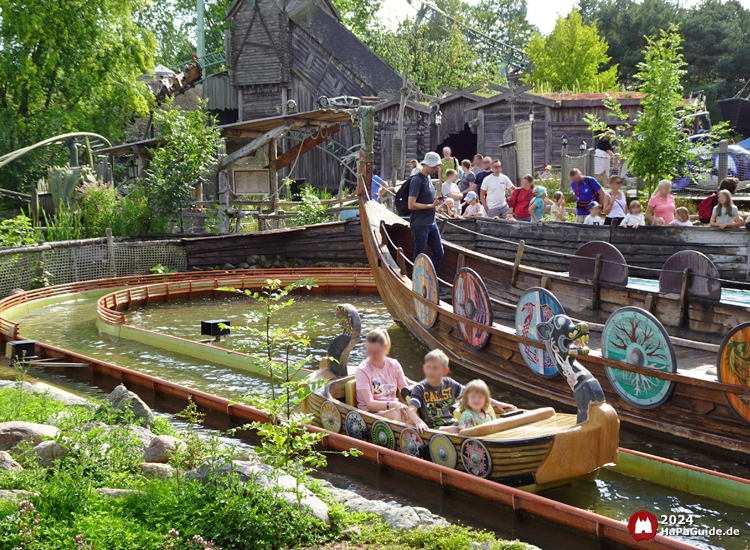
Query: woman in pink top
point(380, 379)
point(661, 204)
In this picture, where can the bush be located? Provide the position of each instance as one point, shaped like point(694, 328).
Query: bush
point(17, 231)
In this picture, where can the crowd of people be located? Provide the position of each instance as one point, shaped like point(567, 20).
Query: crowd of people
point(380, 381)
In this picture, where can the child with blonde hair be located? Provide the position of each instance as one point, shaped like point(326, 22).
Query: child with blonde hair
point(681, 217)
point(476, 406)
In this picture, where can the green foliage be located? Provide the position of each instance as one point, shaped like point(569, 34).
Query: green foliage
point(358, 15)
point(66, 225)
point(99, 207)
point(503, 20)
point(18, 231)
point(185, 159)
point(161, 426)
point(311, 211)
point(159, 269)
point(68, 66)
point(571, 56)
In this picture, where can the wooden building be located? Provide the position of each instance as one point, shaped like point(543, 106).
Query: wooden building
point(417, 119)
point(460, 125)
point(554, 115)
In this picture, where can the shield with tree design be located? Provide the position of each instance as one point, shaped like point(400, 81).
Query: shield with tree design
point(733, 367)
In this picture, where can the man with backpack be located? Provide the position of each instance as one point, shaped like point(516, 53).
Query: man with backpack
point(586, 189)
point(422, 204)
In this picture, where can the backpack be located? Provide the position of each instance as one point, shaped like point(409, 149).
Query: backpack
point(401, 203)
point(706, 209)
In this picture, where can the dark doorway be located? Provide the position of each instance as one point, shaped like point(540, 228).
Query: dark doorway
point(463, 144)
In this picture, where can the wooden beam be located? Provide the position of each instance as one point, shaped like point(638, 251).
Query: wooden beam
point(253, 145)
point(304, 146)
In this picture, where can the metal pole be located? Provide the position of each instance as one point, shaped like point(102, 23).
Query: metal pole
point(200, 33)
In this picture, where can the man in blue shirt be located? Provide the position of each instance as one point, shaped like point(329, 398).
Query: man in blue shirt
point(586, 189)
point(378, 188)
point(422, 204)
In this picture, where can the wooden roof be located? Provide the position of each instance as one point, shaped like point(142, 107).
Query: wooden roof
point(248, 128)
point(558, 100)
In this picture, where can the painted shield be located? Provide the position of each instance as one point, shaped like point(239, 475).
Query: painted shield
point(471, 301)
point(442, 451)
point(424, 282)
point(733, 367)
point(330, 417)
point(382, 435)
point(632, 335)
point(410, 442)
point(355, 425)
point(476, 458)
point(536, 305)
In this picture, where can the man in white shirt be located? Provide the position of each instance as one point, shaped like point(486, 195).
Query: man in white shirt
point(494, 188)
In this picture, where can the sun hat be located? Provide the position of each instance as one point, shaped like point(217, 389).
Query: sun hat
point(470, 196)
point(431, 159)
point(539, 190)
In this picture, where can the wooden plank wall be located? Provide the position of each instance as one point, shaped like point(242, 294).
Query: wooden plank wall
point(497, 120)
point(416, 126)
point(455, 120)
point(332, 242)
point(647, 246)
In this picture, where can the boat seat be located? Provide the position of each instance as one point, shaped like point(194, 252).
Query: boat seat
point(350, 393)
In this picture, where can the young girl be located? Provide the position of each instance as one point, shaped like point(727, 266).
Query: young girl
point(681, 217)
point(448, 208)
point(725, 213)
point(414, 164)
point(594, 218)
point(379, 379)
point(536, 208)
point(558, 207)
point(475, 407)
point(634, 218)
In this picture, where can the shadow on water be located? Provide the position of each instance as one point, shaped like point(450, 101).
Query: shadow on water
point(71, 326)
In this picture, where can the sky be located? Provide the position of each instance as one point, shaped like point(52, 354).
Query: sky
point(542, 13)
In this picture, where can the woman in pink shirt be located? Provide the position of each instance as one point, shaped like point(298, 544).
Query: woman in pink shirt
point(661, 204)
point(380, 379)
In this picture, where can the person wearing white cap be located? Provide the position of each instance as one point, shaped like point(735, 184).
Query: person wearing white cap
point(422, 203)
point(473, 207)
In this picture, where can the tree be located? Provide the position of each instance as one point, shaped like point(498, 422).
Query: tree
point(358, 16)
point(68, 66)
point(504, 20)
point(570, 58)
point(191, 146)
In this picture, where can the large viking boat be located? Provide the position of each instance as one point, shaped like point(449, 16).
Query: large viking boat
point(677, 362)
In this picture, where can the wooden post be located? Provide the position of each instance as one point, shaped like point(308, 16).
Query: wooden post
point(649, 305)
point(443, 225)
point(401, 259)
point(517, 262)
point(684, 302)
point(273, 174)
point(40, 261)
point(723, 167)
point(596, 283)
point(461, 263)
point(400, 133)
point(111, 253)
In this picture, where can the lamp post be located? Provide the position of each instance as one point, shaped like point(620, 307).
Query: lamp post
point(531, 143)
point(583, 146)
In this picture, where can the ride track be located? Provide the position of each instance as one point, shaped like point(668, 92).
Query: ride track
point(158, 288)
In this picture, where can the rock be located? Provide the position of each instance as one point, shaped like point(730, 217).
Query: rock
point(157, 471)
point(263, 476)
point(403, 518)
point(427, 518)
point(16, 495)
point(243, 265)
point(12, 433)
point(118, 493)
point(7, 464)
point(49, 452)
point(161, 447)
point(122, 398)
point(247, 456)
point(358, 264)
point(40, 387)
point(196, 268)
point(142, 434)
point(227, 266)
point(253, 259)
point(262, 261)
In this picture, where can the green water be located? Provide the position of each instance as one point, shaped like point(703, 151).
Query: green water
point(71, 325)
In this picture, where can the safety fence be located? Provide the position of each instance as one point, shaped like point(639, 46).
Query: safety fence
point(66, 262)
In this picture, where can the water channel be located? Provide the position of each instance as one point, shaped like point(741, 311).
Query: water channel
point(71, 325)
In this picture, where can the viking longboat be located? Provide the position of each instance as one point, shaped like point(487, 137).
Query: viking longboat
point(532, 449)
point(637, 360)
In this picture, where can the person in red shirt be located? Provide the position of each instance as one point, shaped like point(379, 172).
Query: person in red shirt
point(521, 198)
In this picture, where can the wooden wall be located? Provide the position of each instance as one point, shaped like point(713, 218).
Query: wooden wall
point(497, 120)
point(416, 124)
point(455, 120)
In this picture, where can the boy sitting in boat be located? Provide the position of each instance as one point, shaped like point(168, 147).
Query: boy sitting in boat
point(431, 400)
point(380, 378)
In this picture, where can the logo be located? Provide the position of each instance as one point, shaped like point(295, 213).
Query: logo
point(643, 525)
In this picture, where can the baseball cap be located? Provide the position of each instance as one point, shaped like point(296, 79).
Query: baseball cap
point(431, 159)
point(470, 196)
point(539, 190)
point(593, 204)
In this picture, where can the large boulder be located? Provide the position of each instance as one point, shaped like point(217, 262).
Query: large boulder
point(143, 435)
point(264, 476)
point(16, 495)
point(7, 464)
point(12, 433)
point(122, 399)
point(161, 447)
point(156, 471)
point(49, 452)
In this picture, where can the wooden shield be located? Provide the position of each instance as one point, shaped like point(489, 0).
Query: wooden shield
point(355, 425)
point(382, 435)
point(476, 458)
point(410, 442)
point(583, 265)
point(535, 306)
point(472, 301)
point(330, 417)
point(733, 367)
point(442, 451)
point(632, 335)
point(704, 276)
point(424, 282)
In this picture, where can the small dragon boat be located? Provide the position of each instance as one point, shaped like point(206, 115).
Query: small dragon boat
point(532, 449)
